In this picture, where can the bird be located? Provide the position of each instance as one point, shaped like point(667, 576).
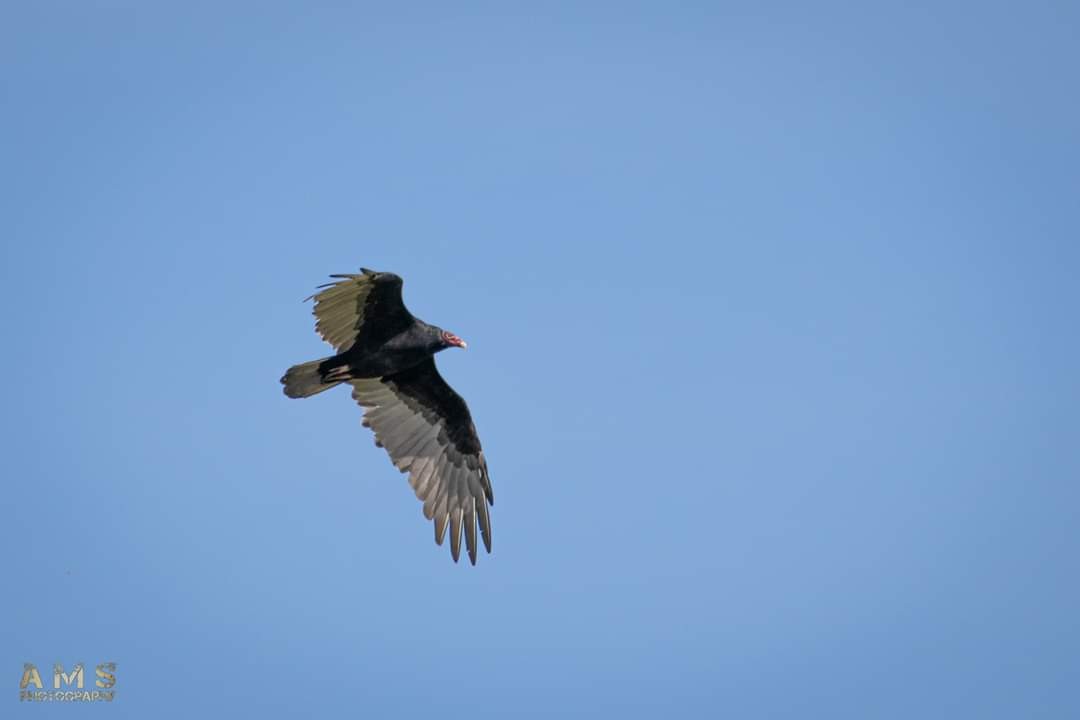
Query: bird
point(388, 357)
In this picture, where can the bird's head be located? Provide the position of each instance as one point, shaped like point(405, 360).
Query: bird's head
point(451, 340)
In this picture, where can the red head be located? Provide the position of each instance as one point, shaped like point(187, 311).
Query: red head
point(453, 340)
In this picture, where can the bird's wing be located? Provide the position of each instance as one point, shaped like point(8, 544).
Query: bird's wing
point(426, 428)
point(361, 307)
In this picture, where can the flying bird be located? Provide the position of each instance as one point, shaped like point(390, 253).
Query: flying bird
point(388, 356)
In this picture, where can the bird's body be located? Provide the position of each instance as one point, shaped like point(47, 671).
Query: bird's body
point(387, 355)
point(395, 354)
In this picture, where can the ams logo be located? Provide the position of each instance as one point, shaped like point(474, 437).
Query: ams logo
point(31, 688)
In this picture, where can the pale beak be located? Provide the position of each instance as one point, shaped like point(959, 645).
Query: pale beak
point(463, 345)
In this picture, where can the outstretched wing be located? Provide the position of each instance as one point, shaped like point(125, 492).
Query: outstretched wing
point(426, 428)
point(360, 309)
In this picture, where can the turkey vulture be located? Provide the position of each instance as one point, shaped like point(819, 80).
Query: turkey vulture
point(388, 356)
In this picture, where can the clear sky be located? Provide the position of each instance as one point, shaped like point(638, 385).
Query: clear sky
point(772, 324)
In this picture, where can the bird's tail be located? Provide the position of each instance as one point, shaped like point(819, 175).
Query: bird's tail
point(307, 379)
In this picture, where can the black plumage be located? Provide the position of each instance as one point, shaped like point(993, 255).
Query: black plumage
point(387, 355)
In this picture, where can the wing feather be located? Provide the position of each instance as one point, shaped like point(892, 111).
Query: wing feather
point(428, 433)
point(470, 527)
point(360, 308)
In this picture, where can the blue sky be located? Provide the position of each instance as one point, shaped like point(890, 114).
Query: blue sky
point(771, 312)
